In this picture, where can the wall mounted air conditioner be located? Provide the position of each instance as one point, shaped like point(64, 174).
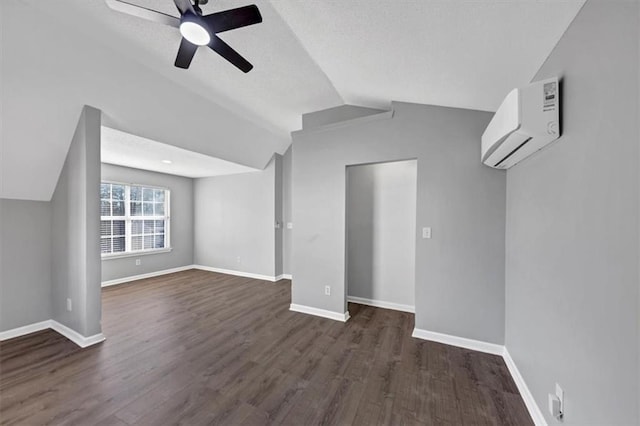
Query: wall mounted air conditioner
point(527, 120)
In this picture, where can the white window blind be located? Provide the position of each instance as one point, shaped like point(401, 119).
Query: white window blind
point(133, 218)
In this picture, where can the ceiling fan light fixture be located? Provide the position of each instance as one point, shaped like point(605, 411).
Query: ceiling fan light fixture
point(197, 29)
point(194, 32)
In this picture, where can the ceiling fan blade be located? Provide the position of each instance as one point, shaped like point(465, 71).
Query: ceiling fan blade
point(143, 12)
point(184, 6)
point(224, 50)
point(185, 54)
point(233, 18)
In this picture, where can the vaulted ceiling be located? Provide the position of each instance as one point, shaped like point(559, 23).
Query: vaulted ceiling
point(308, 55)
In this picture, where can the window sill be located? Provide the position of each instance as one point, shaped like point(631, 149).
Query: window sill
point(135, 254)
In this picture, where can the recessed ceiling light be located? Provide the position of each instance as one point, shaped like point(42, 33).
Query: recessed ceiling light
point(167, 161)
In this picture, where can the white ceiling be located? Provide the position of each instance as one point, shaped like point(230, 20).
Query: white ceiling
point(459, 53)
point(125, 149)
point(311, 55)
point(284, 83)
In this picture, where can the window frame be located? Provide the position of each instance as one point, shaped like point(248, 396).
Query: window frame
point(128, 219)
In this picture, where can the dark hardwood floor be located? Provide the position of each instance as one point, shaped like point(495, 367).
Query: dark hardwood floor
point(198, 347)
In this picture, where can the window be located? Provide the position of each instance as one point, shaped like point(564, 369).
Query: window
point(133, 218)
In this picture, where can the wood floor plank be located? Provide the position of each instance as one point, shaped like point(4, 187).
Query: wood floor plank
point(202, 348)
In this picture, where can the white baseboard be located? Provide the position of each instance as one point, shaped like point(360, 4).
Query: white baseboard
point(462, 342)
point(27, 329)
point(147, 275)
point(491, 348)
point(201, 267)
point(62, 329)
point(283, 277)
point(381, 304)
point(76, 337)
point(236, 273)
point(534, 410)
point(319, 312)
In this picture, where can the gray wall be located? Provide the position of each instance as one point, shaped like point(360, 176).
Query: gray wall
point(287, 208)
point(25, 263)
point(234, 216)
point(181, 223)
point(381, 231)
point(460, 271)
point(572, 229)
point(76, 231)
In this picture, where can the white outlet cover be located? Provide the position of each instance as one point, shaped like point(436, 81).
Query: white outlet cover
point(560, 395)
point(327, 290)
point(289, 225)
point(556, 403)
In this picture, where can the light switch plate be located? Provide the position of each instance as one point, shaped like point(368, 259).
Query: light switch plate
point(426, 232)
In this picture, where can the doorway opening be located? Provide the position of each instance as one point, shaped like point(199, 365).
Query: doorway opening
point(381, 234)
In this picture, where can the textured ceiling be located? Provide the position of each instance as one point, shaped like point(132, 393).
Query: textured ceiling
point(284, 83)
point(124, 149)
point(466, 54)
point(310, 55)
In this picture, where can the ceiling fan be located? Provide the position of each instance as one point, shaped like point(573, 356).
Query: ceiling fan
point(198, 30)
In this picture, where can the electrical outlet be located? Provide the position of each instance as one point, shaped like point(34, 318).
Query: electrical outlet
point(556, 403)
point(138, 262)
point(560, 395)
point(238, 259)
point(69, 304)
point(426, 232)
point(289, 225)
point(327, 290)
